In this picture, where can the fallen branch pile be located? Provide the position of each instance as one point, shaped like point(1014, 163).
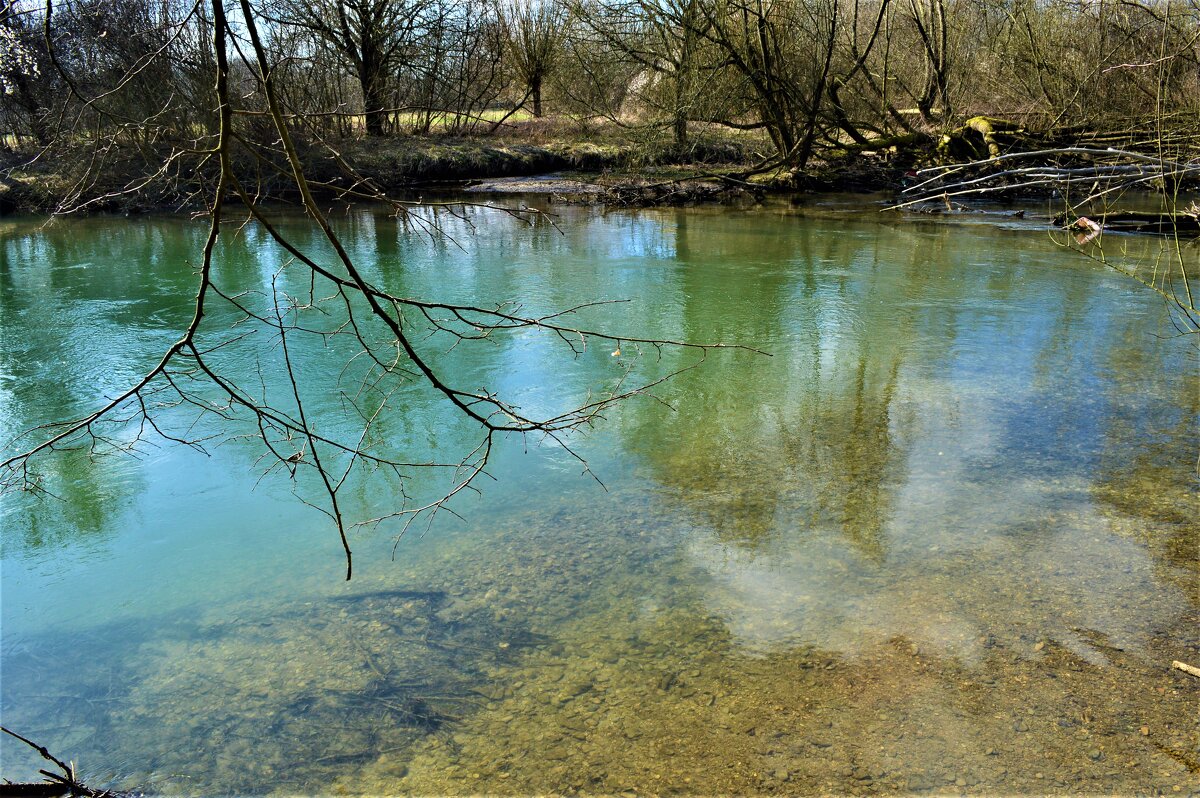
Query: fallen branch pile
point(1078, 174)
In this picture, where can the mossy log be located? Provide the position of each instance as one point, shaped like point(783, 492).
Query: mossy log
point(984, 137)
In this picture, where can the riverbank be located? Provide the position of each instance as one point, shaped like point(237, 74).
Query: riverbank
point(596, 164)
point(573, 163)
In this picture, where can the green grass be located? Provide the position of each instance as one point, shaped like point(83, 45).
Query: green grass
point(442, 121)
point(447, 119)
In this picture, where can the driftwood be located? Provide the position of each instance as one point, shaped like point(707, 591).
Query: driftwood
point(1181, 223)
point(984, 137)
point(1189, 669)
point(686, 191)
point(63, 783)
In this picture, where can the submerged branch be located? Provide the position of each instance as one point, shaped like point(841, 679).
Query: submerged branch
point(64, 783)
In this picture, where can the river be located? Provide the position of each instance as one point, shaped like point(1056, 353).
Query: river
point(942, 539)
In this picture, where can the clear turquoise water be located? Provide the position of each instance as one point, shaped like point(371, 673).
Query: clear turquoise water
point(944, 538)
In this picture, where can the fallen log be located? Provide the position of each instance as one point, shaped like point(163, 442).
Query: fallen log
point(1081, 175)
point(986, 137)
point(1179, 223)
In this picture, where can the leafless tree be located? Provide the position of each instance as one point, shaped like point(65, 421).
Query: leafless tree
point(784, 52)
point(459, 72)
point(930, 18)
point(374, 37)
point(866, 29)
point(534, 31)
point(22, 61)
point(662, 39)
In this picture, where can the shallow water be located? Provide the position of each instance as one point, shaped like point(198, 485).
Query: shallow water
point(943, 540)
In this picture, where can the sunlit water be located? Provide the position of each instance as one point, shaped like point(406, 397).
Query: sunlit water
point(943, 539)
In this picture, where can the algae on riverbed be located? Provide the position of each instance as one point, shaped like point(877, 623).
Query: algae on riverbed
point(592, 667)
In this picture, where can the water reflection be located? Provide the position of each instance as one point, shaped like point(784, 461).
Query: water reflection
point(922, 466)
point(811, 438)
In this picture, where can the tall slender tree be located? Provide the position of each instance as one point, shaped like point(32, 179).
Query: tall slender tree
point(534, 31)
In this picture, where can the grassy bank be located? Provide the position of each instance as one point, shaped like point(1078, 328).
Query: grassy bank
point(71, 175)
point(613, 164)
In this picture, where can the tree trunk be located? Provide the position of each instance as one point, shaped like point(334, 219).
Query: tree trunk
point(680, 127)
point(679, 122)
point(782, 135)
point(373, 102)
point(535, 88)
point(818, 94)
point(840, 116)
point(37, 114)
point(683, 74)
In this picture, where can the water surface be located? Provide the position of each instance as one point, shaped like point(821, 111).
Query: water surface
point(944, 539)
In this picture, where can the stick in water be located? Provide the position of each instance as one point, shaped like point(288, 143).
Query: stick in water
point(1183, 666)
